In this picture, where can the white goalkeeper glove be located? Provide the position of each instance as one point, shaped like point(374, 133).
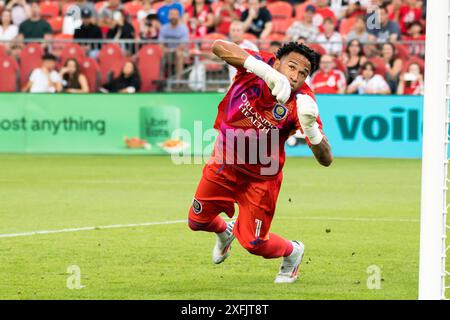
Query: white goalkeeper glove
point(277, 82)
point(308, 111)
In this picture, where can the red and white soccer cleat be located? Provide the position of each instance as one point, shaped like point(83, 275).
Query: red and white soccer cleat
point(289, 266)
point(222, 248)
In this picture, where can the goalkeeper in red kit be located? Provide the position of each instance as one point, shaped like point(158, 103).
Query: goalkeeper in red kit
point(267, 102)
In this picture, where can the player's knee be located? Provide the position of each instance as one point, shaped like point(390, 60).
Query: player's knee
point(195, 226)
point(255, 247)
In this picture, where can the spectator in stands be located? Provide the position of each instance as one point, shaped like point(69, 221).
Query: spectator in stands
point(328, 79)
point(304, 28)
point(330, 40)
point(73, 81)
point(380, 28)
point(147, 9)
point(8, 30)
point(225, 14)
point(355, 8)
point(237, 36)
point(358, 31)
point(20, 11)
point(411, 82)
point(89, 30)
point(150, 27)
point(129, 80)
point(323, 12)
point(122, 30)
point(257, 19)
point(35, 27)
point(175, 34)
point(274, 46)
point(163, 12)
point(406, 12)
point(353, 59)
point(46, 78)
point(394, 65)
point(368, 82)
point(85, 4)
point(199, 18)
point(416, 37)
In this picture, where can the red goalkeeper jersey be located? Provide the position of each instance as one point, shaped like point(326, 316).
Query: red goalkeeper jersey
point(253, 127)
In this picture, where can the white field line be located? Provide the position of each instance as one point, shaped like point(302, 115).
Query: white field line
point(145, 224)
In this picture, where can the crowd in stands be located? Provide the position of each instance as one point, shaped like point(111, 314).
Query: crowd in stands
point(365, 46)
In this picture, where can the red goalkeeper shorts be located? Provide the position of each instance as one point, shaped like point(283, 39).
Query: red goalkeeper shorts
point(222, 186)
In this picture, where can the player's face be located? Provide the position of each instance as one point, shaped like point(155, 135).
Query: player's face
point(295, 67)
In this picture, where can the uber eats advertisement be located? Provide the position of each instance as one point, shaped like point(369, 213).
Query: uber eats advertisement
point(357, 126)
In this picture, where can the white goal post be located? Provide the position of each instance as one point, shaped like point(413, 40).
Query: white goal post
point(433, 228)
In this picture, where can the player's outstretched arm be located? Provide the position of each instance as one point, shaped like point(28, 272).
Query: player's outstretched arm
point(308, 111)
point(232, 54)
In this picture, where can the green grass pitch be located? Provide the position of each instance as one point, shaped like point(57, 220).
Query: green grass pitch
point(357, 213)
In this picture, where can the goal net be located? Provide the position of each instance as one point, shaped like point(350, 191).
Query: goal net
point(433, 268)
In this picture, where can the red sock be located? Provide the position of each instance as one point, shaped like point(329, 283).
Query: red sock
point(275, 247)
point(217, 225)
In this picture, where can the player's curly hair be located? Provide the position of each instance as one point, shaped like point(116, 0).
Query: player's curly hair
point(312, 56)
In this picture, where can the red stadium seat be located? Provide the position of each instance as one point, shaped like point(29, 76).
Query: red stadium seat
point(110, 60)
point(205, 47)
point(281, 25)
point(250, 37)
point(60, 42)
point(132, 8)
point(317, 48)
point(157, 5)
point(149, 66)
point(49, 9)
point(346, 25)
point(414, 59)
point(265, 43)
point(340, 65)
point(56, 23)
point(2, 50)
point(402, 51)
point(380, 65)
point(137, 27)
point(72, 51)
point(10, 74)
point(280, 10)
point(30, 59)
point(100, 5)
point(90, 68)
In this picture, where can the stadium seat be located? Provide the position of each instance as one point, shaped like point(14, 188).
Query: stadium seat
point(346, 25)
point(10, 74)
point(132, 8)
point(72, 50)
point(250, 37)
point(137, 27)
point(56, 23)
point(265, 43)
point(30, 59)
point(91, 69)
point(402, 51)
point(380, 65)
point(157, 5)
point(2, 50)
point(60, 42)
point(301, 8)
point(340, 65)
point(149, 66)
point(110, 60)
point(66, 7)
point(205, 47)
point(49, 9)
point(100, 5)
point(281, 25)
point(317, 48)
point(280, 10)
point(414, 59)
